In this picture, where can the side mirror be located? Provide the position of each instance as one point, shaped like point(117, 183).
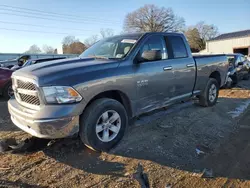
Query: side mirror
point(151, 55)
point(240, 63)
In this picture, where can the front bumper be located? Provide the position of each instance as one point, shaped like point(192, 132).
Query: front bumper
point(51, 127)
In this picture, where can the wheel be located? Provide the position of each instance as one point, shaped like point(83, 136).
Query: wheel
point(8, 91)
point(210, 94)
point(103, 124)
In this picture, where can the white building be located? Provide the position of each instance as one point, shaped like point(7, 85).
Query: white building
point(235, 42)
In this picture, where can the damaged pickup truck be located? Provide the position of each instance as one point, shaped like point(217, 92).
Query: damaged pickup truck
point(114, 80)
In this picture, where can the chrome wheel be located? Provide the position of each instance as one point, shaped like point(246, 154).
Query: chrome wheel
point(108, 126)
point(212, 93)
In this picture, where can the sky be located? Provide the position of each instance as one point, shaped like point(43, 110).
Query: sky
point(18, 33)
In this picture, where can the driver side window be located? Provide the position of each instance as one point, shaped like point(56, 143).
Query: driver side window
point(155, 43)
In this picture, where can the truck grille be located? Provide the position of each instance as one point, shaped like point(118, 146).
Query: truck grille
point(26, 85)
point(30, 99)
point(26, 92)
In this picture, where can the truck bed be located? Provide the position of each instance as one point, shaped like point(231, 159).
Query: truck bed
point(209, 63)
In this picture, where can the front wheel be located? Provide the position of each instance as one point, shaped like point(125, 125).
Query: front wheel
point(210, 94)
point(103, 124)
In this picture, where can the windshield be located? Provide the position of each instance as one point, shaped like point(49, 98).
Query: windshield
point(113, 47)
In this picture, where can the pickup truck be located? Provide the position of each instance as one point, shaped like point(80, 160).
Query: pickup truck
point(114, 80)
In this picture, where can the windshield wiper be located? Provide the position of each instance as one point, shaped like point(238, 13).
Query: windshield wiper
point(99, 57)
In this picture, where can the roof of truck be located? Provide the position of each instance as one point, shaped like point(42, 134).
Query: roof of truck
point(145, 33)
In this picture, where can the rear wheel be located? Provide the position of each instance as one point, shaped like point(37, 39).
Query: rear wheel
point(210, 94)
point(8, 91)
point(103, 124)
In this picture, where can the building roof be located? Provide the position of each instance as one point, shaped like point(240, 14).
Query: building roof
point(236, 34)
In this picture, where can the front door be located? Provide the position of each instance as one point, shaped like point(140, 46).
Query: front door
point(154, 78)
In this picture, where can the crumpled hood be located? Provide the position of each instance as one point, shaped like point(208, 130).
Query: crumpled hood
point(65, 71)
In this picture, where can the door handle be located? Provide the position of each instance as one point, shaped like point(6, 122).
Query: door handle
point(167, 68)
point(190, 65)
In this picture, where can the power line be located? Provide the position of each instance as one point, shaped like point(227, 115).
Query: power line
point(33, 25)
point(43, 32)
point(79, 19)
point(64, 15)
point(51, 19)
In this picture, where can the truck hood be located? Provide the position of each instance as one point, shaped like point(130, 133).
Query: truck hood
point(67, 71)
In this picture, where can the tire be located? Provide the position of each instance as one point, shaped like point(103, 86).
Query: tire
point(204, 98)
point(93, 115)
point(6, 91)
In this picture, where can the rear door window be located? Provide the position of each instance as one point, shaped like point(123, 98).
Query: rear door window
point(178, 46)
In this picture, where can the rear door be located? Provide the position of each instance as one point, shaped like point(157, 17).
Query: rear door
point(183, 67)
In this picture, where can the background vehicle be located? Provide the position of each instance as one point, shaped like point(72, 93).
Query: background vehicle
point(21, 59)
point(35, 61)
point(117, 78)
point(18, 61)
point(5, 83)
point(239, 67)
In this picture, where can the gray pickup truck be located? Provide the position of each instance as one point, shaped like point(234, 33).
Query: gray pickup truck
point(114, 80)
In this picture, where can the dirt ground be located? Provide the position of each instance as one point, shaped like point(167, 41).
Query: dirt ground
point(163, 142)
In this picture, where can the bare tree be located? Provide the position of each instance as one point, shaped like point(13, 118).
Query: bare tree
point(69, 40)
point(34, 49)
point(106, 33)
point(200, 33)
point(152, 18)
point(48, 49)
point(206, 31)
point(91, 40)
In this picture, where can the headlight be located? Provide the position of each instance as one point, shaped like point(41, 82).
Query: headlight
point(61, 94)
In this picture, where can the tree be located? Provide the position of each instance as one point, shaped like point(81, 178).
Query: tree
point(72, 45)
point(194, 40)
point(48, 49)
point(74, 48)
point(151, 18)
point(91, 40)
point(34, 49)
point(55, 51)
point(206, 31)
point(106, 33)
point(198, 35)
point(69, 40)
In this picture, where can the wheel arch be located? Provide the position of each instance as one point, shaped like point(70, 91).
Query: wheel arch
point(116, 95)
point(216, 75)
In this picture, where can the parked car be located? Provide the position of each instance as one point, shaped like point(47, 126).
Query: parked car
point(239, 67)
point(5, 83)
point(18, 61)
point(115, 79)
point(35, 61)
